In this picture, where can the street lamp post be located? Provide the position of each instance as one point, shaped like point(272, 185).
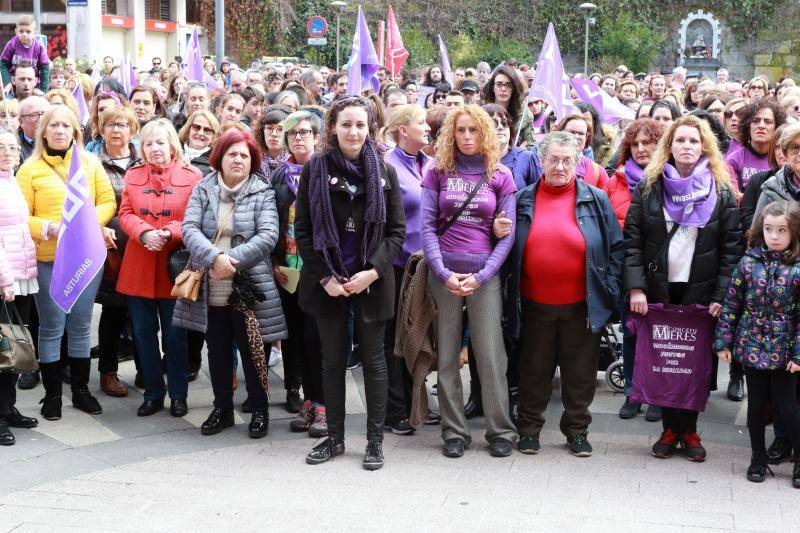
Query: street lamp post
point(588, 9)
point(219, 30)
point(338, 5)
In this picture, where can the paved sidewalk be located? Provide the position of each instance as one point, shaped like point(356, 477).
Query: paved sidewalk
point(117, 472)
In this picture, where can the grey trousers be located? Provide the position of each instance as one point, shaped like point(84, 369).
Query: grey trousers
point(484, 308)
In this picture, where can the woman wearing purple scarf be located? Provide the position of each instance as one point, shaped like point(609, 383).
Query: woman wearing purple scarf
point(636, 149)
point(682, 240)
point(349, 228)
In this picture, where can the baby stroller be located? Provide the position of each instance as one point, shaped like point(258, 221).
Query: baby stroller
point(611, 357)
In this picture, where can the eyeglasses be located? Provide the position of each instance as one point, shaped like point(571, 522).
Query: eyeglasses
point(117, 125)
point(14, 149)
point(791, 150)
point(503, 85)
point(303, 134)
point(273, 130)
point(36, 114)
point(577, 133)
point(728, 114)
point(198, 128)
point(498, 122)
point(156, 63)
point(556, 162)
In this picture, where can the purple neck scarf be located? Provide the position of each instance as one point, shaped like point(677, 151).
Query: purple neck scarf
point(690, 201)
point(633, 174)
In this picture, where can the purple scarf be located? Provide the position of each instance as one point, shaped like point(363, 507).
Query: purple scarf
point(324, 231)
point(633, 174)
point(690, 201)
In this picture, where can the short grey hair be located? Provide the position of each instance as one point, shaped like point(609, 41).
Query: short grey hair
point(790, 132)
point(560, 138)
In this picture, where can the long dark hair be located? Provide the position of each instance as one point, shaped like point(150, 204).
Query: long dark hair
point(791, 210)
point(596, 126)
point(516, 104)
point(749, 112)
point(329, 139)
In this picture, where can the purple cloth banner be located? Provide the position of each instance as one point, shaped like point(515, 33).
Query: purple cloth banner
point(447, 72)
point(551, 84)
point(127, 76)
point(194, 70)
point(80, 252)
point(83, 110)
point(674, 358)
point(363, 63)
point(611, 109)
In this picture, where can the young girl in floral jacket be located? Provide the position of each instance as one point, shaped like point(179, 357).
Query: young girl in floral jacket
point(758, 327)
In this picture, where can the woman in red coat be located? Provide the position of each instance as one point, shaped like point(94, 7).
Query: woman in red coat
point(637, 146)
point(153, 203)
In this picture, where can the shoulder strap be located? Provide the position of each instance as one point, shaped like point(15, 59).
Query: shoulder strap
point(653, 265)
point(451, 220)
point(58, 172)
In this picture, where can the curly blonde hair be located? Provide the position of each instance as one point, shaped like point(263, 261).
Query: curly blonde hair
point(709, 148)
point(489, 146)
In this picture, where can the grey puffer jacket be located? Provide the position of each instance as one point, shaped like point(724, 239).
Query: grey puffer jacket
point(255, 233)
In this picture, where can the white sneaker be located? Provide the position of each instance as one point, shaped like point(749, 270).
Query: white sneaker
point(275, 356)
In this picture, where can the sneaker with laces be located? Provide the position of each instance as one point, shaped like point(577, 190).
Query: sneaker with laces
point(666, 444)
point(757, 471)
point(319, 427)
point(693, 447)
point(324, 451)
point(373, 455)
point(402, 427)
point(275, 356)
point(528, 444)
point(304, 418)
point(579, 445)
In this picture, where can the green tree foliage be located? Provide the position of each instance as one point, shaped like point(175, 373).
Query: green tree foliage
point(623, 40)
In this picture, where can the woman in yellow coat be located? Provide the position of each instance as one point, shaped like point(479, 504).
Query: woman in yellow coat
point(42, 179)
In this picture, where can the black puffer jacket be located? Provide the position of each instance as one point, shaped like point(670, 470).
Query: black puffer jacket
point(717, 250)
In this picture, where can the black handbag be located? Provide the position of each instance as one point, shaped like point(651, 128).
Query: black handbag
point(177, 261)
point(17, 353)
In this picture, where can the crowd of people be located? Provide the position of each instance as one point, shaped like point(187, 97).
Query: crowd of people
point(421, 227)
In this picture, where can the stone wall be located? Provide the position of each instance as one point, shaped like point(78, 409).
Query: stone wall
point(777, 48)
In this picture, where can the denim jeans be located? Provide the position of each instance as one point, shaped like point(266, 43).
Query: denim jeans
point(53, 322)
point(145, 314)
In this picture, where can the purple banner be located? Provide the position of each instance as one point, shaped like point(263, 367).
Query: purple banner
point(611, 109)
point(447, 72)
point(194, 70)
point(550, 83)
point(80, 252)
point(83, 110)
point(363, 63)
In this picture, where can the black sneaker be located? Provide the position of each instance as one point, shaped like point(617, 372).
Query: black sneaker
point(653, 413)
point(779, 450)
point(324, 451)
point(528, 444)
point(500, 447)
point(579, 446)
point(757, 471)
point(373, 455)
point(403, 427)
point(433, 419)
point(796, 471)
point(629, 409)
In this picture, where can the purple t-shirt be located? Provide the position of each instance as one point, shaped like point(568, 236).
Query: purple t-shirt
point(744, 163)
point(15, 52)
point(674, 357)
point(472, 232)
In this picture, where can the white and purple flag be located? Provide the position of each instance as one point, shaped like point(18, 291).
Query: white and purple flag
point(447, 72)
point(194, 70)
point(610, 109)
point(83, 109)
point(551, 83)
point(364, 62)
point(81, 251)
point(127, 76)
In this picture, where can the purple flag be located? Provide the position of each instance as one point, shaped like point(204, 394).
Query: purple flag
point(194, 70)
point(97, 77)
point(447, 72)
point(80, 252)
point(83, 110)
point(363, 61)
point(611, 109)
point(551, 83)
point(127, 76)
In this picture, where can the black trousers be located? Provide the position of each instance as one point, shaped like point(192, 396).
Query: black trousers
point(398, 405)
point(194, 349)
point(333, 334)
point(112, 322)
point(781, 387)
point(302, 353)
point(226, 325)
point(8, 380)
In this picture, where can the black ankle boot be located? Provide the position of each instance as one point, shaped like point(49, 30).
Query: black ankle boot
point(51, 379)
point(259, 423)
point(796, 471)
point(81, 397)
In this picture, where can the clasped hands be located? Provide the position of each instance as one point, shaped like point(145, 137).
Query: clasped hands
point(154, 240)
point(358, 283)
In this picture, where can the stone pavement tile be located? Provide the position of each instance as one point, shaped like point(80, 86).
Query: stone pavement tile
point(76, 428)
point(30, 444)
point(41, 528)
point(692, 529)
point(619, 524)
point(44, 515)
point(9, 523)
point(57, 465)
point(146, 446)
point(678, 517)
point(32, 498)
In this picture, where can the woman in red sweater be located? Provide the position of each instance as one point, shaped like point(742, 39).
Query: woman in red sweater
point(153, 203)
point(565, 270)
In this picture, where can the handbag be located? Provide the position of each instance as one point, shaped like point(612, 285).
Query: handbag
point(17, 354)
point(177, 261)
point(187, 283)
